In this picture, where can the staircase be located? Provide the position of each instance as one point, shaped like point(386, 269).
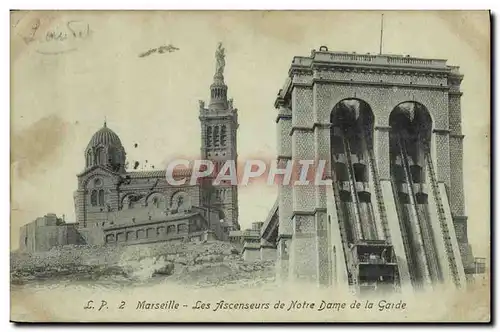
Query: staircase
point(442, 219)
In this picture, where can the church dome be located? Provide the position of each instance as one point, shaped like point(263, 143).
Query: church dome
point(105, 137)
point(105, 149)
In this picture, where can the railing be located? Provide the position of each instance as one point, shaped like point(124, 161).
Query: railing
point(410, 61)
point(373, 260)
point(371, 58)
point(302, 61)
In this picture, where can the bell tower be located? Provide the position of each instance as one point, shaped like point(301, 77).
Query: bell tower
point(219, 125)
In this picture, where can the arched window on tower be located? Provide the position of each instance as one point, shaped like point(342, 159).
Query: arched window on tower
point(209, 136)
point(93, 198)
point(216, 136)
point(111, 155)
point(89, 158)
point(102, 157)
point(223, 135)
point(101, 197)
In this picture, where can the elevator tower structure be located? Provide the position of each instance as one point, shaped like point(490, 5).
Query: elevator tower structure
point(392, 215)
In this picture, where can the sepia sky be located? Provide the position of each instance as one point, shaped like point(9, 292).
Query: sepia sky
point(62, 90)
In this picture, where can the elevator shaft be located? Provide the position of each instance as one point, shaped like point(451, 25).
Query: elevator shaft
point(358, 231)
point(414, 225)
point(359, 206)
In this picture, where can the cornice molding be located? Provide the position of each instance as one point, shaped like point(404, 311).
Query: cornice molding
point(378, 84)
point(283, 117)
point(382, 128)
point(441, 131)
point(301, 129)
point(386, 70)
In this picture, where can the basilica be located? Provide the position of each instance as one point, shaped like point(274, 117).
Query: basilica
point(114, 205)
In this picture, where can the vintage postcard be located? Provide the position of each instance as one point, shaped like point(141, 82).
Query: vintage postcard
point(250, 166)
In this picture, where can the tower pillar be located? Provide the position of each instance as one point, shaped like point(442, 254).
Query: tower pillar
point(304, 248)
point(322, 157)
point(285, 191)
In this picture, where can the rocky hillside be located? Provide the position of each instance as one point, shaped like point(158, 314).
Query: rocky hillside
point(198, 264)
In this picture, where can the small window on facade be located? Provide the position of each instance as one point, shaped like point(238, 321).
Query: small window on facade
point(209, 136)
point(89, 158)
point(101, 197)
point(223, 136)
point(216, 136)
point(101, 156)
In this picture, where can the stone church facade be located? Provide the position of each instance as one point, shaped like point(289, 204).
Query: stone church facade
point(104, 187)
point(393, 214)
point(108, 195)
